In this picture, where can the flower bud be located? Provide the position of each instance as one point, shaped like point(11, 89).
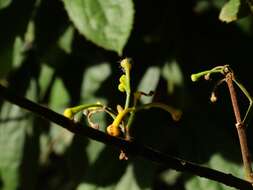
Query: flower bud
point(213, 97)
point(113, 131)
point(68, 113)
point(125, 64)
point(121, 87)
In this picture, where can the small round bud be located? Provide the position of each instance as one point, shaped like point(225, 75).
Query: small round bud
point(119, 108)
point(207, 76)
point(194, 77)
point(113, 131)
point(123, 155)
point(68, 113)
point(176, 115)
point(121, 87)
point(213, 97)
point(122, 79)
point(125, 64)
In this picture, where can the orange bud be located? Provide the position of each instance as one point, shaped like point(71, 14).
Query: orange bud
point(113, 131)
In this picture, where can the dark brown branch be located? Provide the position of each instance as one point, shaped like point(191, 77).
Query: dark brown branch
point(132, 148)
point(240, 128)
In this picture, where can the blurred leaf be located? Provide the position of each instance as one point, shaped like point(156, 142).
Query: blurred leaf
point(105, 171)
point(30, 32)
point(128, 180)
point(15, 123)
point(173, 75)
point(60, 138)
point(18, 55)
point(229, 11)
point(233, 10)
point(4, 3)
point(131, 177)
point(202, 6)
point(106, 23)
point(149, 83)
point(93, 78)
point(50, 23)
point(93, 150)
point(65, 41)
point(218, 3)
point(22, 45)
point(10, 32)
point(59, 96)
point(219, 163)
point(45, 78)
point(170, 177)
point(245, 24)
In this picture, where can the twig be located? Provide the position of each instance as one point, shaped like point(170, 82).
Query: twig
point(240, 128)
point(130, 147)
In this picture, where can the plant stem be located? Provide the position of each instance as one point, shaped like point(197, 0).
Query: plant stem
point(176, 114)
point(240, 129)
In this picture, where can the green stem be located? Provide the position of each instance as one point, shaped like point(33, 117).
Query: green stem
point(128, 89)
point(249, 111)
point(218, 69)
point(79, 108)
point(129, 124)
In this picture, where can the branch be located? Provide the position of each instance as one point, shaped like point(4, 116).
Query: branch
point(240, 128)
point(132, 147)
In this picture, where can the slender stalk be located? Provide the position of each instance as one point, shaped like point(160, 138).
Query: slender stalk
point(176, 114)
point(240, 129)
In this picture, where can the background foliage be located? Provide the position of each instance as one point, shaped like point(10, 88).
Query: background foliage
point(64, 53)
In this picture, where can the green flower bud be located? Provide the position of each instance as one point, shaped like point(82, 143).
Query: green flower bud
point(194, 77)
point(122, 79)
point(121, 87)
point(68, 113)
point(125, 64)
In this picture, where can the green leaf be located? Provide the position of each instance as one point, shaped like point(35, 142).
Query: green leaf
point(18, 56)
point(46, 74)
point(4, 3)
point(170, 177)
point(21, 45)
point(93, 78)
point(219, 163)
point(229, 11)
point(105, 169)
point(149, 83)
point(65, 41)
point(15, 124)
point(233, 10)
point(59, 96)
point(60, 138)
point(173, 75)
point(128, 180)
point(30, 32)
point(106, 23)
point(9, 32)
